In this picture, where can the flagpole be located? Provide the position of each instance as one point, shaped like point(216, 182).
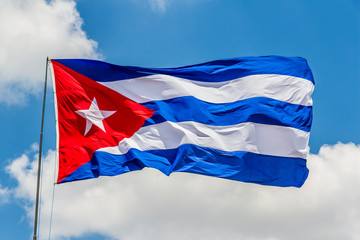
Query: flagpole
point(40, 154)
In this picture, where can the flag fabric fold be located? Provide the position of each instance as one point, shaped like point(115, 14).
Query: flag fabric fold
point(245, 119)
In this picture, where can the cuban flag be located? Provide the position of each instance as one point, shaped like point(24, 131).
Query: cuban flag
point(246, 119)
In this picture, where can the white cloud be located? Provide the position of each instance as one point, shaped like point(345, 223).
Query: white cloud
point(149, 205)
point(31, 30)
point(159, 5)
point(4, 194)
point(163, 5)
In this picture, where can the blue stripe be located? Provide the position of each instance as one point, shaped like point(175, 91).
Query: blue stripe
point(257, 110)
point(240, 166)
point(215, 71)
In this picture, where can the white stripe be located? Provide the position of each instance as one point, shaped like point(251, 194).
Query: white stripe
point(249, 137)
point(161, 87)
point(56, 170)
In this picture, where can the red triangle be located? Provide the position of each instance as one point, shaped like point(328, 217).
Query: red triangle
point(76, 92)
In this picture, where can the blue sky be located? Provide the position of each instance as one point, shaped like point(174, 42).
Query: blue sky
point(169, 33)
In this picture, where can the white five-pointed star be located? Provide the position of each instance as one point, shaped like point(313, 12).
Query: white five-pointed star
point(94, 116)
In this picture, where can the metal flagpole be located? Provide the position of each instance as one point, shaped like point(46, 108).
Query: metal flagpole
point(40, 153)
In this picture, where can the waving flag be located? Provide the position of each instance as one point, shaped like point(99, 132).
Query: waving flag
point(245, 119)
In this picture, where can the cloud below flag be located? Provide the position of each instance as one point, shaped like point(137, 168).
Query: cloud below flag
point(245, 119)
